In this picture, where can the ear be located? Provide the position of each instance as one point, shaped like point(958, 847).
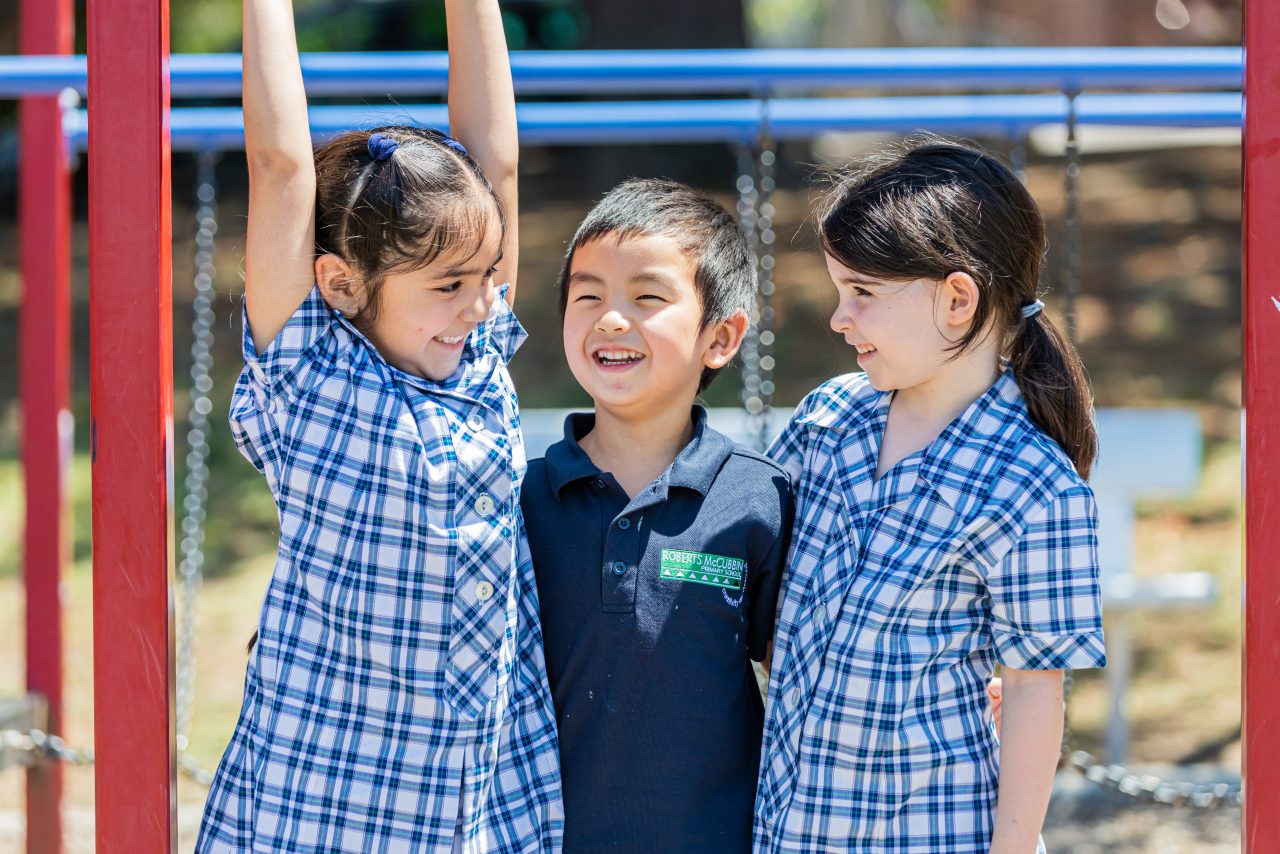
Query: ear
point(725, 340)
point(339, 286)
point(958, 299)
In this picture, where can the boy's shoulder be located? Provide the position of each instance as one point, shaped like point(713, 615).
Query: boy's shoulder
point(746, 461)
point(752, 486)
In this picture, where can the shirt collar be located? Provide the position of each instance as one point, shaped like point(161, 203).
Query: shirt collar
point(695, 467)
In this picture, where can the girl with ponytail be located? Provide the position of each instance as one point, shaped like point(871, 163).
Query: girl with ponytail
point(943, 525)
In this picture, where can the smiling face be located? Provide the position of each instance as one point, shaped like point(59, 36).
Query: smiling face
point(897, 327)
point(424, 316)
point(633, 330)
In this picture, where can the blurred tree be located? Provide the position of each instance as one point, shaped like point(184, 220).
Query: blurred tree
point(641, 24)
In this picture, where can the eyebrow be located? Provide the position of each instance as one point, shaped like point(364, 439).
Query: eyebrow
point(458, 272)
point(578, 277)
point(858, 280)
point(647, 278)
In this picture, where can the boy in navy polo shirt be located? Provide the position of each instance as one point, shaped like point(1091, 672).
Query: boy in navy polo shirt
point(658, 545)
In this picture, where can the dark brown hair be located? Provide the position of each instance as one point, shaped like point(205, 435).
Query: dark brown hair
point(926, 208)
point(428, 198)
point(724, 269)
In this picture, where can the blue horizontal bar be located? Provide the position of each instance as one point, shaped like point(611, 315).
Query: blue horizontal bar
point(594, 123)
point(753, 72)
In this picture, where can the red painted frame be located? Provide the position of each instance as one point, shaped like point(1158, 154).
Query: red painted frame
point(44, 214)
point(1261, 702)
point(131, 341)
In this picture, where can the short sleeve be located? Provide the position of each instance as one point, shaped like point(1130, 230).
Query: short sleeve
point(767, 577)
point(1046, 602)
point(502, 330)
point(266, 377)
point(275, 368)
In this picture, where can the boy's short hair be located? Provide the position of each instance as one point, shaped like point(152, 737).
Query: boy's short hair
point(725, 271)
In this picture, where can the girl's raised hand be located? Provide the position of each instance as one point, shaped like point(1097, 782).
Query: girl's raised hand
point(482, 109)
point(280, 245)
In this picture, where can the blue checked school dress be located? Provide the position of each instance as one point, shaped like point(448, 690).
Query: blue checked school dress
point(902, 594)
point(396, 699)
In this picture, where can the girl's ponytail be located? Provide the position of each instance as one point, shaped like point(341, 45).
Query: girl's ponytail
point(1052, 380)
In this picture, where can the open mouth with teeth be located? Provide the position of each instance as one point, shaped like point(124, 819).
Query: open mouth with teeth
point(451, 340)
point(864, 349)
point(617, 359)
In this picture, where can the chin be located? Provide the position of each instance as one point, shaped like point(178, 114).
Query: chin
point(877, 383)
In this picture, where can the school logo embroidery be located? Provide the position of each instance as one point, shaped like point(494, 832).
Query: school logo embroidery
point(700, 568)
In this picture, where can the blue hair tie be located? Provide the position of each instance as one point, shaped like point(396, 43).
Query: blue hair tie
point(381, 147)
point(1032, 309)
point(455, 145)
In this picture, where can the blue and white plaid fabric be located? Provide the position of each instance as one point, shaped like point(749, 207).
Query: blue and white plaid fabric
point(396, 699)
point(902, 594)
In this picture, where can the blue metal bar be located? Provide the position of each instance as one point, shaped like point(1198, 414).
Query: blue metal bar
point(708, 71)
point(592, 123)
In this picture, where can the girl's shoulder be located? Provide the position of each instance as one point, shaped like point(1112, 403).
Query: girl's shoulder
point(838, 402)
point(1028, 461)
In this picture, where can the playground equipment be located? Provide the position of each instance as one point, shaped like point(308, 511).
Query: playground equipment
point(133, 128)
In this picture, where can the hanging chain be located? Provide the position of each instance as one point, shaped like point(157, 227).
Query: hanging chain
point(756, 182)
point(196, 483)
point(1143, 787)
point(191, 547)
point(1072, 259)
point(1150, 788)
point(1116, 777)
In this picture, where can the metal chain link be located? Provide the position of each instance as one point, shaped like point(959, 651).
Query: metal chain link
point(756, 213)
point(1148, 787)
point(1072, 258)
point(1145, 787)
point(196, 483)
point(44, 746)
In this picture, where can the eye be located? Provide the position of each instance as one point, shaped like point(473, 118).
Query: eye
point(861, 291)
point(449, 288)
point(586, 297)
point(651, 296)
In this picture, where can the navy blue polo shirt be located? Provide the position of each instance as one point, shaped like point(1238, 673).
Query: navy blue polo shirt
point(652, 607)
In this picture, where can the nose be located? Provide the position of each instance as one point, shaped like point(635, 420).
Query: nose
point(478, 309)
point(842, 319)
point(612, 320)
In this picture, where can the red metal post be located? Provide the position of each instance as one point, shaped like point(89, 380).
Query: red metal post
point(44, 216)
point(131, 393)
point(1262, 428)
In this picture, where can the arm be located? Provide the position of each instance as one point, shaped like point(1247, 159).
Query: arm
point(280, 245)
point(482, 109)
point(1031, 739)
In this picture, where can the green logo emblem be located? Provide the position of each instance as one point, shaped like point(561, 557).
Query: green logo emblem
point(715, 570)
